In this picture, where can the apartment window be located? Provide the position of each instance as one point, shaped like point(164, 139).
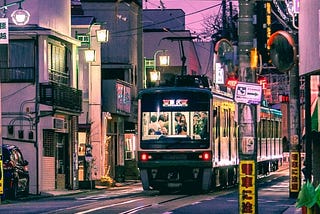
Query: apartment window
point(58, 71)
point(17, 61)
point(48, 143)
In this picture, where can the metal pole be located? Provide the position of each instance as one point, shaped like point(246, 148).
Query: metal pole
point(308, 137)
point(144, 73)
point(155, 65)
point(247, 114)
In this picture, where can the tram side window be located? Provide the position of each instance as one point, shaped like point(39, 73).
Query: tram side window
point(218, 123)
point(215, 111)
point(224, 123)
point(232, 124)
point(273, 124)
point(259, 130)
point(264, 128)
point(280, 132)
point(276, 129)
point(270, 130)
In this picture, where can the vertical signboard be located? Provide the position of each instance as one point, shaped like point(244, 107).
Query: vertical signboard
point(247, 186)
point(123, 98)
point(4, 31)
point(294, 172)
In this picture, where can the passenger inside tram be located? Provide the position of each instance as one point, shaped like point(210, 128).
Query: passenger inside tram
point(192, 124)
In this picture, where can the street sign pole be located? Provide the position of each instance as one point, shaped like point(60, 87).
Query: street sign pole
point(247, 114)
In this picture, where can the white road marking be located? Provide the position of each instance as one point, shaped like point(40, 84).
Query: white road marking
point(107, 206)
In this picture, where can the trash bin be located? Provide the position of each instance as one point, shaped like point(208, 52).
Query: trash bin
point(120, 173)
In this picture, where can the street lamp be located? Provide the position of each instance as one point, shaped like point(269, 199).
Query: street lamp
point(163, 61)
point(20, 16)
point(90, 55)
point(102, 35)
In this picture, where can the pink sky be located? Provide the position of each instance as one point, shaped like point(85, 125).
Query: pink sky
point(193, 21)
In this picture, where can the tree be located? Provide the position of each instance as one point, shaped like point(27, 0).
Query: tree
point(221, 25)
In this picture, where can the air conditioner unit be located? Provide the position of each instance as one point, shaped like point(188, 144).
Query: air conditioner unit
point(60, 124)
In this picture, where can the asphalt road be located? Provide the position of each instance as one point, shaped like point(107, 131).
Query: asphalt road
point(273, 197)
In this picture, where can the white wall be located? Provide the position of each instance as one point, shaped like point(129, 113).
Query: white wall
point(54, 14)
point(309, 36)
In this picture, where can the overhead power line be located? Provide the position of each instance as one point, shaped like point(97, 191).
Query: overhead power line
point(165, 21)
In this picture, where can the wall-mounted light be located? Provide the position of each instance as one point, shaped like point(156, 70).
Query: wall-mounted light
point(164, 60)
point(102, 35)
point(154, 76)
point(90, 55)
point(20, 16)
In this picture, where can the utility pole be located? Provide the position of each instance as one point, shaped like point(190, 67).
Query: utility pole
point(283, 54)
point(247, 113)
point(295, 144)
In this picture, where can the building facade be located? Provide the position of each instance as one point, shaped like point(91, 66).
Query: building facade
point(112, 82)
point(40, 99)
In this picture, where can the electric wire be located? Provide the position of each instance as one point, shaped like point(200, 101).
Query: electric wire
point(165, 21)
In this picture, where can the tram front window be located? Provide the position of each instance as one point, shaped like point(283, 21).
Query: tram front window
point(192, 125)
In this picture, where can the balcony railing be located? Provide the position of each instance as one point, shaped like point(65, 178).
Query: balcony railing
point(17, 74)
point(61, 97)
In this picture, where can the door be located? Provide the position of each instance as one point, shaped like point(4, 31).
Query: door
point(62, 161)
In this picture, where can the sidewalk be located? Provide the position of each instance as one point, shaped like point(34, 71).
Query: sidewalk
point(64, 192)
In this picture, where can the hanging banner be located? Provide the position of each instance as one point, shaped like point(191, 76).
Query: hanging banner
point(4, 31)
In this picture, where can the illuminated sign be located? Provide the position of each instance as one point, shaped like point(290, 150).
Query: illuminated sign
point(295, 174)
point(268, 21)
point(219, 73)
point(263, 81)
point(248, 93)
point(123, 98)
point(232, 82)
point(247, 186)
point(175, 103)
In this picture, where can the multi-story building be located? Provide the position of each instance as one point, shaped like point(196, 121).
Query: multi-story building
point(40, 99)
point(110, 85)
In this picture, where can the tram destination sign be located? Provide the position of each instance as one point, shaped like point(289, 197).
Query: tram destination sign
point(248, 93)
